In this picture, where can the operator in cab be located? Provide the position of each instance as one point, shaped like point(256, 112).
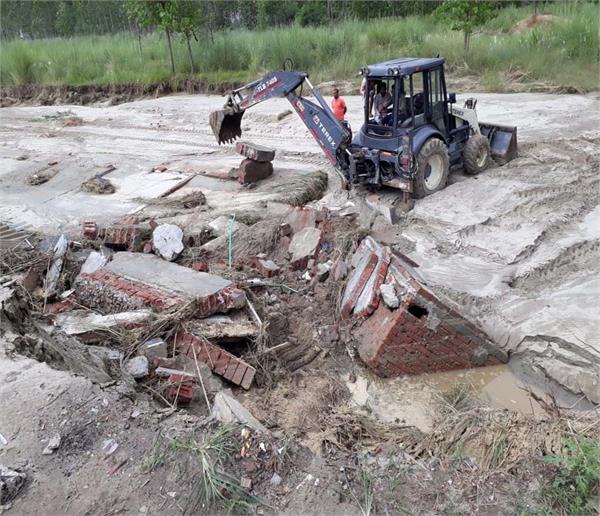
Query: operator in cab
point(381, 103)
point(338, 105)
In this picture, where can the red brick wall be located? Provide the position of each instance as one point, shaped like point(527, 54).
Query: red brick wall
point(397, 342)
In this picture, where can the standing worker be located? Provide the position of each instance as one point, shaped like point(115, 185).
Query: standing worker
point(338, 105)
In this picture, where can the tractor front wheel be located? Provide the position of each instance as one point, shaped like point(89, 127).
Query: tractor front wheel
point(433, 167)
point(476, 154)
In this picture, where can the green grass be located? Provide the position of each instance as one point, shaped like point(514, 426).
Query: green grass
point(576, 487)
point(563, 54)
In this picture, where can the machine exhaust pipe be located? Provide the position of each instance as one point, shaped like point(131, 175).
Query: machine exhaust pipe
point(226, 124)
point(503, 141)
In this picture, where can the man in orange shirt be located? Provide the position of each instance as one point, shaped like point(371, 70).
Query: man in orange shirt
point(338, 105)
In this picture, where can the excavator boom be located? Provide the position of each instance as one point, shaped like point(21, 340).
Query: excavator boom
point(329, 133)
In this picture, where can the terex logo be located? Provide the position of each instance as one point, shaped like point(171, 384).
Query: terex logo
point(323, 130)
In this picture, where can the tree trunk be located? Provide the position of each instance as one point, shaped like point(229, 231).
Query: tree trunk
point(189, 47)
point(139, 35)
point(467, 38)
point(168, 32)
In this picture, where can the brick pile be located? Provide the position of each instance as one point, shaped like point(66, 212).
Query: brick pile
point(258, 163)
point(219, 361)
point(424, 334)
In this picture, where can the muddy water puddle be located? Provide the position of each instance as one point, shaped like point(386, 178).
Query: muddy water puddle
point(416, 400)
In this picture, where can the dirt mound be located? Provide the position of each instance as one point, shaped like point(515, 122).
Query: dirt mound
point(47, 95)
point(534, 20)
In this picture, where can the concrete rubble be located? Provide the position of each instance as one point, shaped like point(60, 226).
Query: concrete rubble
point(11, 482)
point(229, 410)
point(167, 241)
point(132, 281)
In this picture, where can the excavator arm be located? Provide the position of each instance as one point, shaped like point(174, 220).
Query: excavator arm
point(330, 133)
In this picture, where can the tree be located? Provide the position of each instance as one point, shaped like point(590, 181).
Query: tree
point(153, 13)
point(466, 16)
point(184, 17)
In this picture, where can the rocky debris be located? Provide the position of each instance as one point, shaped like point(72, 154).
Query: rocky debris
point(388, 294)
point(56, 266)
point(251, 171)
point(53, 445)
point(137, 367)
point(266, 268)
point(133, 280)
point(323, 269)
point(275, 480)
point(41, 176)
point(154, 348)
point(229, 410)
point(180, 388)
point(93, 262)
point(340, 269)
point(304, 217)
point(255, 152)
point(90, 326)
point(98, 185)
point(390, 209)
point(12, 235)
point(234, 327)
point(304, 246)
point(11, 482)
point(109, 446)
point(167, 241)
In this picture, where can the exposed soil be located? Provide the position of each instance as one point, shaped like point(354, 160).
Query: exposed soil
point(48, 95)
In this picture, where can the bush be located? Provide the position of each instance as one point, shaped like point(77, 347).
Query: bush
point(576, 486)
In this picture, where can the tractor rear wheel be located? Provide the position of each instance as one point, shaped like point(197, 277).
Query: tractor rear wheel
point(433, 167)
point(476, 154)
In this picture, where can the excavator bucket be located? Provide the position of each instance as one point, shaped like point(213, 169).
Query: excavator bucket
point(226, 124)
point(503, 141)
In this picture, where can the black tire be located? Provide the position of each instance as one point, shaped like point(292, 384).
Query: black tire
point(433, 152)
point(476, 154)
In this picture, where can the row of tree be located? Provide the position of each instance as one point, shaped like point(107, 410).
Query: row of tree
point(30, 19)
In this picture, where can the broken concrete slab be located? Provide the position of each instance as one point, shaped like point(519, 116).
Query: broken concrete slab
point(304, 246)
point(223, 329)
point(229, 410)
point(255, 152)
point(93, 262)
point(167, 241)
point(364, 268)
point(303, 217)
point(154, 348)
point(132, 281)
point(251, 171)
point(368, 300)
point(221, 362)
point(90, 326)
point(56, 266)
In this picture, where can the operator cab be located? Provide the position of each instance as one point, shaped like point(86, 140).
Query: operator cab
point(416, 96)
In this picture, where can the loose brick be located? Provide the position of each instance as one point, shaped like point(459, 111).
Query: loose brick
point(219, 361)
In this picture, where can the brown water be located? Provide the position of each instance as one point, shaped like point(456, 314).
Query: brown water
point(414, 400)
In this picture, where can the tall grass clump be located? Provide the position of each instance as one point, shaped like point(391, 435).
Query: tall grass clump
point(561, 53)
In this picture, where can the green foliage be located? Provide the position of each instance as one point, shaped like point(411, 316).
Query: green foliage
point(576, 487)
point(563, 53)
point(465, 15)
point(312, 13)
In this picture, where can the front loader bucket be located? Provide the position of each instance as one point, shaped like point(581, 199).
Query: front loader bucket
point(503, 141)
point(226, 125)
